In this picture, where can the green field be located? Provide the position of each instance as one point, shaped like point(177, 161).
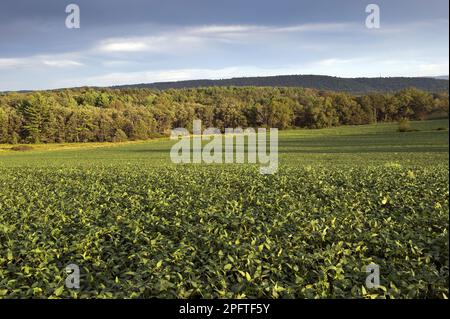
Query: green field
point(139, 226)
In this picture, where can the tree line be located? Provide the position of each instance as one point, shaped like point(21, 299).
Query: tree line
point(318, 82)
point(112, 115)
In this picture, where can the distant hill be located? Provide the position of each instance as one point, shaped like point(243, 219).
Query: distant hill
point(440, 77)
point(320, 82)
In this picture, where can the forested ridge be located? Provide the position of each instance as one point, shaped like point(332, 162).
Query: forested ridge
point(99, 115)
point(319, 82)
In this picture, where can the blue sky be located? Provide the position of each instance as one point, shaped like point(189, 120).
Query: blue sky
point(136, 41)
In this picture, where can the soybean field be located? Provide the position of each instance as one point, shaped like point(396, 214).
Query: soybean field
point(139, 226)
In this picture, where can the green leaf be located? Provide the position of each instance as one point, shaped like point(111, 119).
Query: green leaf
point(59, 291)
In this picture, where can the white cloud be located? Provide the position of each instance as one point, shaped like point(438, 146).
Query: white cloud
point(432, 69)
point(334, 62)
point(7, 63)
point(316, 27)
point(215, 29)
point(181, 39)
point(38, 61)
point(124, 46)
point(251, 29)
point(167, 43)
point(62, 63)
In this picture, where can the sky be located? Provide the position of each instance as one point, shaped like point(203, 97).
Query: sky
point(143, 41)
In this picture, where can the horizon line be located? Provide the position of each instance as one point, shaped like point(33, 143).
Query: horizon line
point(435, 77)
